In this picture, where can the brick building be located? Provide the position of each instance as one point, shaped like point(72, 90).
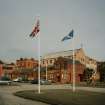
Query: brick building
point(79, 71)
point(1, 69)
point(8, 69)
point(83, 62)
point(61, 71)
point(79, 55)
point(25, 63)
point(25, 68)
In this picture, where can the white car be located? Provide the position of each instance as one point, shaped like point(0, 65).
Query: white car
point(17, 80)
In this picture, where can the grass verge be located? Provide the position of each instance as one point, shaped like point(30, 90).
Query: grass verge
point(64, 97)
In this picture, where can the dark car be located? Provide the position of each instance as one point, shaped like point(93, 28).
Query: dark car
point(35, 81)
point(42, 82)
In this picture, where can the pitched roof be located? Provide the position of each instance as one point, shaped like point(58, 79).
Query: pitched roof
point(60, 53)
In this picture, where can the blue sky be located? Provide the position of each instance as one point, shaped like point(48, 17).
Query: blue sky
point(57, 19)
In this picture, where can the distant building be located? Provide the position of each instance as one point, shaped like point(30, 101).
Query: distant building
point(82, 61)
point(25, 63)
point(25, 68)
point(79, 55)
point(8, 69)
point(61, 71)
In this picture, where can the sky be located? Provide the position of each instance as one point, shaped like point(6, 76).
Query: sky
point(57, 19)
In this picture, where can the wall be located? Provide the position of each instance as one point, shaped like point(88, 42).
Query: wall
point(1, 70)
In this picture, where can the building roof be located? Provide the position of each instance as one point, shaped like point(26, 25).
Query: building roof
point(25, 59)
point(60, 53)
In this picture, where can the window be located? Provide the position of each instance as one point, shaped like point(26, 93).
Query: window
point(51, 76)
point(43, 62)
point(50, 61)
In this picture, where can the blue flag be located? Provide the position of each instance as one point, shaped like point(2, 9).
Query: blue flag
point(69, 36)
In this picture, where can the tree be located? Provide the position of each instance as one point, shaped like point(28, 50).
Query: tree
point(1, 62)
point(87, 74)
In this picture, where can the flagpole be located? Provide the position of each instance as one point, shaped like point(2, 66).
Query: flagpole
point(33, 34)
point(73, 65)
point(69, 36)
point(39, 62)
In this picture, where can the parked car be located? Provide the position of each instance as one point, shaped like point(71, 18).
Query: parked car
point(17, 80)
point(42, 82)
point(45, 82)
point(2, 82)
point(34, 81)
point(5, 81)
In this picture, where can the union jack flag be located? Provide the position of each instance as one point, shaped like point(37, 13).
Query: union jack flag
point(35, 30)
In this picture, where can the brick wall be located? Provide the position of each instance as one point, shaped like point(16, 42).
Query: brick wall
point(1, 70)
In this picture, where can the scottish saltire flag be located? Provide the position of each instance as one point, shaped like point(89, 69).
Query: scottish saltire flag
point(35, 30)
point(69, 36)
